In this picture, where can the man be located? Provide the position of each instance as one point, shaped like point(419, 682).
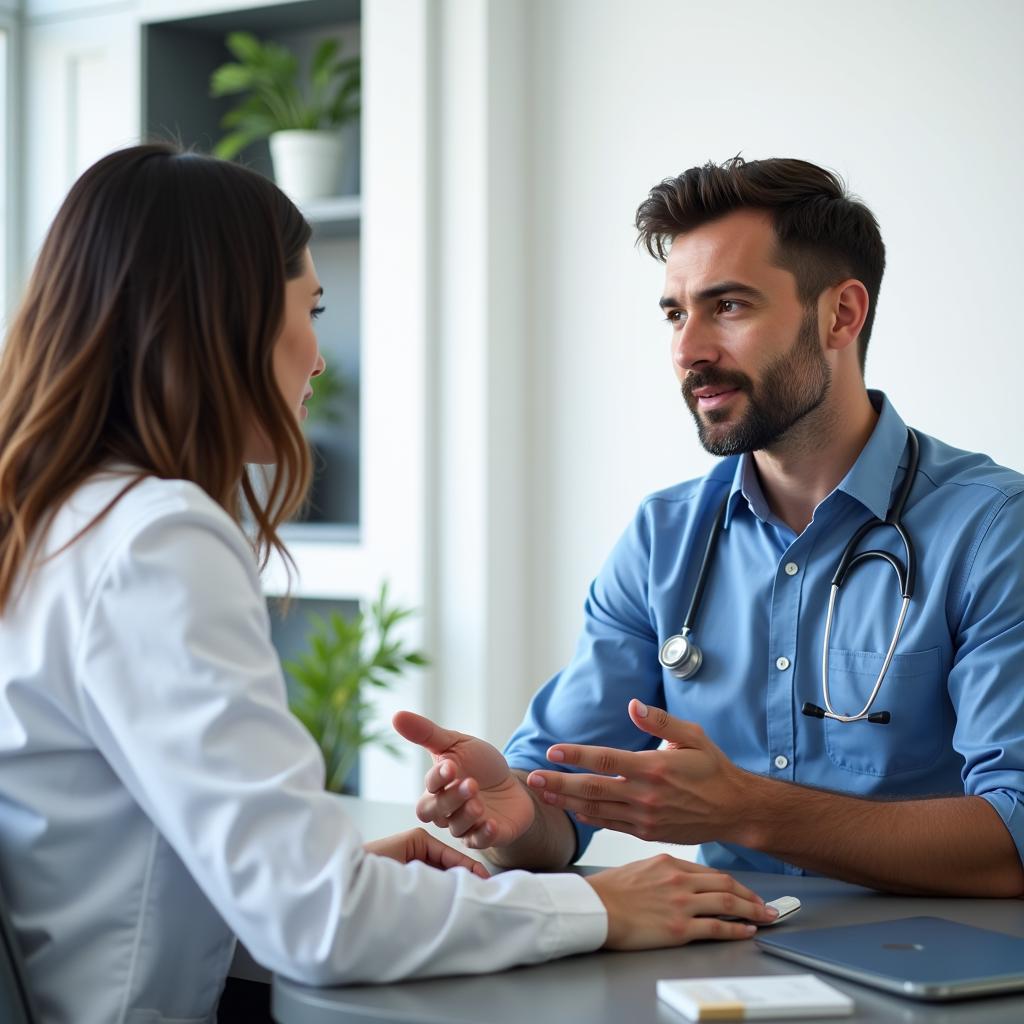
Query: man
point(771, 284)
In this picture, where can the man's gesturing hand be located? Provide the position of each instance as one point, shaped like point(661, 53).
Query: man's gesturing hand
point(689, 792)
point(469, 790)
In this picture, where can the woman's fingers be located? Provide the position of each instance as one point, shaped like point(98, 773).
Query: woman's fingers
point(664, 901)
point(711, 880)
point(441, 855)
point(717, 903)
point(715, 928)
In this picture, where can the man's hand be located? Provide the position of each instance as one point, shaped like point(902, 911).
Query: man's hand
point(663, 901)
point(416, 844)
point(689, 792)
point(470, 790)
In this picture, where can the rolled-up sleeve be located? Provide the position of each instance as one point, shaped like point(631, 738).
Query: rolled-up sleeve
point(986, 683)
point(616, 659)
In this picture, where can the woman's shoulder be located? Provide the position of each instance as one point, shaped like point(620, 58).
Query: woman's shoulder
point(119, 503)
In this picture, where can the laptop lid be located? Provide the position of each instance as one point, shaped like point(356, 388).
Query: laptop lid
point(922, 957)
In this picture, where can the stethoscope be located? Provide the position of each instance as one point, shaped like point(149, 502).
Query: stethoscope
point(683, 658)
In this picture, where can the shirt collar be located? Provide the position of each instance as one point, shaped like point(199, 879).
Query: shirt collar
point(869, 481)
point(871, 477)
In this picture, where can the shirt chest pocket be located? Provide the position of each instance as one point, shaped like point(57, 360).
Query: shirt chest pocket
point(912, 692)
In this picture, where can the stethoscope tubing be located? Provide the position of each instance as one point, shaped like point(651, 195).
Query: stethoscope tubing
point(686, 664)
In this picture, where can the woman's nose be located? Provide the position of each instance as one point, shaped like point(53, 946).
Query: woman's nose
point(320, 366)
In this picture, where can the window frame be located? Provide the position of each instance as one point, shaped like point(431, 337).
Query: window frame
point(11, 25)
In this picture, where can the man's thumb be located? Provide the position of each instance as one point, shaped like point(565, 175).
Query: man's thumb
point(422, 731)
point(658, 722)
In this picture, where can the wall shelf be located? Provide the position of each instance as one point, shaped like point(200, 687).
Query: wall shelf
point(334, 216)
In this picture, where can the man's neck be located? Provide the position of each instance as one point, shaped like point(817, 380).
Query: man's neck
point(809, 462)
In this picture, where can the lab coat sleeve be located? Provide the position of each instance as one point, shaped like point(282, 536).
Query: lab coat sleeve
point(616, 659)
point(182, 692)
point(985, 683)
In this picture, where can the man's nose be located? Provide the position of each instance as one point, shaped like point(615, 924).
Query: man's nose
point(694, 344)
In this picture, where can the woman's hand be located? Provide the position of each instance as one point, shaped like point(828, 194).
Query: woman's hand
point(663, 901)
point(417, 844)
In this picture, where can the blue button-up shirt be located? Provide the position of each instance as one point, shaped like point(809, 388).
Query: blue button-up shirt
point(955, 687)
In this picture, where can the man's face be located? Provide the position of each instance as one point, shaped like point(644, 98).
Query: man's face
point(746, 351)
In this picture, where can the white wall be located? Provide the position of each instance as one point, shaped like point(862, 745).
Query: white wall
point(916, 103)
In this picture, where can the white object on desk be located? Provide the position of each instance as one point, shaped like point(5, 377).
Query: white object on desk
point(754, 998)
point(787, 906)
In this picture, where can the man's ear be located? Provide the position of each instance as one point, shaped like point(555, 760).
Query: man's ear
point(846, 309)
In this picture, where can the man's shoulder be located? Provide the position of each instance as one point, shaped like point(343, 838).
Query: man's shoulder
point(692, 494)
point(946, 466)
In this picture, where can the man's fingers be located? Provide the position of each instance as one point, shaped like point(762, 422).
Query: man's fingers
point(422, 731)
point(606, 760)
point(482, 837)
point(441, 775)
point(593, 787)
point(613, 824)
point(594, 795)
point(439, 807)
point(658, 722)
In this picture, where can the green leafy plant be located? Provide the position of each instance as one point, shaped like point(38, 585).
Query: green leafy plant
point(269, 73)
point(325, 405)
point(331, 679)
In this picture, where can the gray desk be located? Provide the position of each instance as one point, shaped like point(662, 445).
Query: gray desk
point(619, 988)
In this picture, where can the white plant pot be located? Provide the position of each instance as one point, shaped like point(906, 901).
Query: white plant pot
point(307, 164)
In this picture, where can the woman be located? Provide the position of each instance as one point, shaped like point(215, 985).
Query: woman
point(156, 796)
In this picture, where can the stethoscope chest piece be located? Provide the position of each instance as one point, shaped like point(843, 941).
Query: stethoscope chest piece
point(680, 656)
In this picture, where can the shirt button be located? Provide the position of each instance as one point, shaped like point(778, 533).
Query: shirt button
point(792, 568)
point(781, 761)
point(782, 664)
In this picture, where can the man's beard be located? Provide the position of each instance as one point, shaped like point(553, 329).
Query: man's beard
point(791, 386)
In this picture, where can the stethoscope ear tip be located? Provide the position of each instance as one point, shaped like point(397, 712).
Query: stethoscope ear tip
point(812, 710)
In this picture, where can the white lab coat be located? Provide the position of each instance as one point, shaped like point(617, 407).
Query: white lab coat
point(158, 798)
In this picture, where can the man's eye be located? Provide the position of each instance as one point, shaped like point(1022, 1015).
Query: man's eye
point(676, 317)
point(316, 311)
point(728, 306)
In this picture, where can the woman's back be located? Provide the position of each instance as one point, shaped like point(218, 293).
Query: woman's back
point(156, 795)
point(107, 902)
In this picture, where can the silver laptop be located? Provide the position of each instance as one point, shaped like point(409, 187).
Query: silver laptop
point(922, 957)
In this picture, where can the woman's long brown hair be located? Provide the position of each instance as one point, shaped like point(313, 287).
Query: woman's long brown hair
point(146, 337)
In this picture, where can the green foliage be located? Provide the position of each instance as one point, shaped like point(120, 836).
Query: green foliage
point(269, 74)
point(324, 406)
point(330, 680)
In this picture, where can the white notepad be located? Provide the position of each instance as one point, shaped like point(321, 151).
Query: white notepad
point(756, 998)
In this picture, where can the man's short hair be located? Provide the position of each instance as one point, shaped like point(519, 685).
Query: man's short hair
point(824, 234)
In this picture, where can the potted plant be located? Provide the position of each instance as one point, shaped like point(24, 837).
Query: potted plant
point(330, 680)
point(301, 125)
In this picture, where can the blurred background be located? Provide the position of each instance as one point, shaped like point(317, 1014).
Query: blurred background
point(505, 392)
